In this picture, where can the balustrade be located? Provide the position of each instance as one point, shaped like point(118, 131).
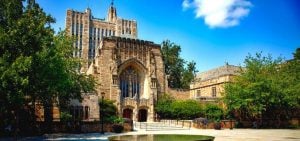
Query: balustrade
point(133, 102)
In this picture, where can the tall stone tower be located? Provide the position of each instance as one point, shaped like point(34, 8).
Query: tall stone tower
point(111, 14)
point(89, 31)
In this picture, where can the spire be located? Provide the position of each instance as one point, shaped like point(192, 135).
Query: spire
point(112, 13)
point(112, 3)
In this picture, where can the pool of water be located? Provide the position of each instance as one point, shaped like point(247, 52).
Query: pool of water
point(161, 137)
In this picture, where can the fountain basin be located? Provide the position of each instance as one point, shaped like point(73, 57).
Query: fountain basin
point(161, 137)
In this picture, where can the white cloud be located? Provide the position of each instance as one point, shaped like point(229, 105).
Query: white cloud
point(186, 4)
point(219, 13)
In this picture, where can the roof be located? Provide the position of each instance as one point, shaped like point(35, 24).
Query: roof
point(217, 72)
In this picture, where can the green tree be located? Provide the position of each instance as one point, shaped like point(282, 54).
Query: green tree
point(213, 112)
point(174, 64)
point(297, 54)
point(109, 111)
point(179, 74)
point(19, 41)
point(267, 88)
point(56, 77)
point(288, 86)
point(188, 75)
point(163, 106)
point(35, 64)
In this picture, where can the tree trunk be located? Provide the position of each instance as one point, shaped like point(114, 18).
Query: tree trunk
point(16, 123)
point(48, 116)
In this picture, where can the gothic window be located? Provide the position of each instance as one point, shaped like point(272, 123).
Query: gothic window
point(80, 112)
point(130, 83)
point(115, 79)
point(86, 112)
point(77, 27)
point(81, 29)
point(153, 83)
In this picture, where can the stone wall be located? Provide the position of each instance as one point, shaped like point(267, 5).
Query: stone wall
point(180, 94)
point(39, 112)
point(90, 100)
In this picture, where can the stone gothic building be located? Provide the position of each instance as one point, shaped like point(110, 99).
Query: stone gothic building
point(130, 71)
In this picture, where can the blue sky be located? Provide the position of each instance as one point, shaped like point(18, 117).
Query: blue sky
point(210, 32)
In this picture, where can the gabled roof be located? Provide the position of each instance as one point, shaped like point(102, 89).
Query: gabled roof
point(217, 72)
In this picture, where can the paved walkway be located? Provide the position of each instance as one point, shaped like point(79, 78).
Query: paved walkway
point(225, 134)
point(236, 134)
point(220, 135)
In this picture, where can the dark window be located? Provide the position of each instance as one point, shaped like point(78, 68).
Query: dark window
point(198, 93)
point(79, 112)
point(213, 92)
point(115, 79)
point(153, 83)
point(86, 112)
point(130, 83)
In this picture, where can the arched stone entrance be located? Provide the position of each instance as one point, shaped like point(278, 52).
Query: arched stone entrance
point(127, 113)
point(142, 116)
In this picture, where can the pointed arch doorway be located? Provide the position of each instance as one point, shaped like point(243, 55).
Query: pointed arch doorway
point(142, 116)
point(127, 113)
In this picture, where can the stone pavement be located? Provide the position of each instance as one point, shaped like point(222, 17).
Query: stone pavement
point(227, 134)
point(236, 134)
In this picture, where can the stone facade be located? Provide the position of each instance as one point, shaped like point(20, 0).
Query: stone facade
point(88, 108)
point(209, 85)
point(130, 72)
point(89, 31)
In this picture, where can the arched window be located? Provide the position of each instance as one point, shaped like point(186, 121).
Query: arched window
point(130, 83)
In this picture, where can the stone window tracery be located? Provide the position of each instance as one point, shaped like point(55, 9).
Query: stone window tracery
point(130, 83)
point(153, 83)
point(115, 79)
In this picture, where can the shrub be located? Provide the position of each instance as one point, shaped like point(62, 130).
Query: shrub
point(65, 117)
point(217, 126)
point(117, 128)
point(163, 106)
point(167, 107)
point(118, 120)
point(109, 110)
point(186, 109)
point(213, 112)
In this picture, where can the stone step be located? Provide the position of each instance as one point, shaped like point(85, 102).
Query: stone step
point(154, 126)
